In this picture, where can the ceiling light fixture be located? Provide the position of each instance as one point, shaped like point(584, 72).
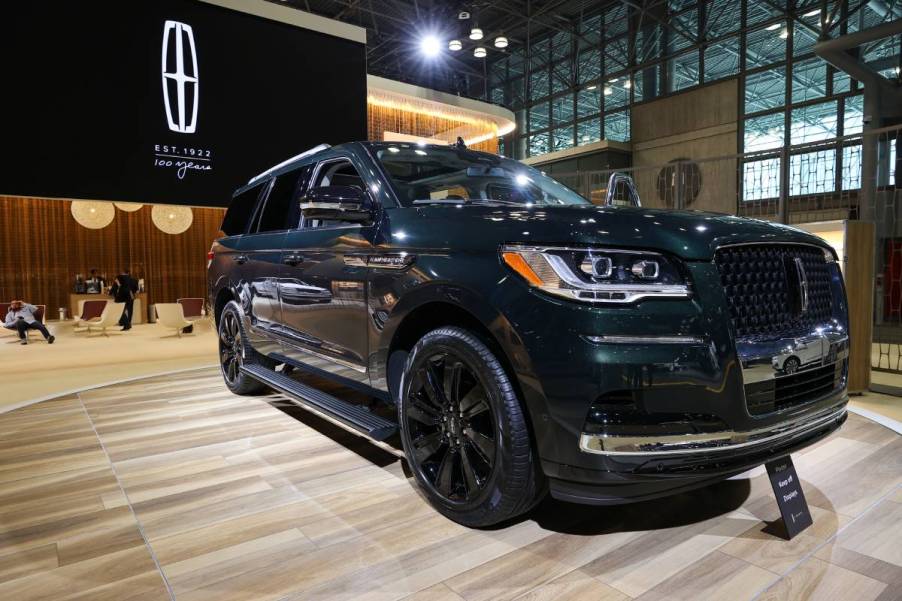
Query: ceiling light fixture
point(430, 46)
point(501, 42)
point(479, 52)
point(627, 84)
point(784, 34)
point(608, 90)
point(773, 27)
point(455, 45)
point(592, 87)
point(811, 13)
point(475, 34)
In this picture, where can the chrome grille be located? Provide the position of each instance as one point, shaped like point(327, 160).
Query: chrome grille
point(763, 289)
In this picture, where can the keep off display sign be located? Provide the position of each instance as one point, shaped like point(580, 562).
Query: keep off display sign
point(790, 498)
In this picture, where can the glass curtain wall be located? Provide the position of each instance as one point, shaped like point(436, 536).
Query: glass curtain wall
point(572, 87)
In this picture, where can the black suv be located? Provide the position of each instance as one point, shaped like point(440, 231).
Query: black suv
point(519, 339)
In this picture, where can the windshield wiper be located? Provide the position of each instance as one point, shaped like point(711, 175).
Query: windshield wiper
point(474, 201)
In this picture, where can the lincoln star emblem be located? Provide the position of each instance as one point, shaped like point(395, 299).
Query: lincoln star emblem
point(181, 86)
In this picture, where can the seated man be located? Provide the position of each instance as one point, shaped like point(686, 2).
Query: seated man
point(21, 319)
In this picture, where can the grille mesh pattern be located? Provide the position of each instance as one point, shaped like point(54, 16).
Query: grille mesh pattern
point(761, 286)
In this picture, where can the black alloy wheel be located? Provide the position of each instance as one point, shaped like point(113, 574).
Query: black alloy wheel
point(452, 430)
point(230, 352)
point(465, 432)
point(234, 351)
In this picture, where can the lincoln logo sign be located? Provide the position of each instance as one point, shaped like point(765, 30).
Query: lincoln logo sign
point(181, 86)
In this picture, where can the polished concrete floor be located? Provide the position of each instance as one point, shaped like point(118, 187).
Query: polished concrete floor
point(172, 488)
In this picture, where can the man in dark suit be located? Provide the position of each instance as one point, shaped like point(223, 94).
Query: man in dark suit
point(123, 291)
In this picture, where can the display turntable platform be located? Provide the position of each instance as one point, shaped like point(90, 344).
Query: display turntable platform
point(173, 488)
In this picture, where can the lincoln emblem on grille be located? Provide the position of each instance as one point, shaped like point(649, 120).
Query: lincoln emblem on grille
point(180, 78)
point(803, 285)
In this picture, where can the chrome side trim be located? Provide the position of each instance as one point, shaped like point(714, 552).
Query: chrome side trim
point(644, 339)
point(296, 157)
point(713, 442)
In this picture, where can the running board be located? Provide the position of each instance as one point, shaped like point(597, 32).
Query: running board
point(355, 417)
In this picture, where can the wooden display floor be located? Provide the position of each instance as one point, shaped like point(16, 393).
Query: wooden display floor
point(173, 488)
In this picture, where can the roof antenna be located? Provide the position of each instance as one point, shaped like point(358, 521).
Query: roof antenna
point(460, 143)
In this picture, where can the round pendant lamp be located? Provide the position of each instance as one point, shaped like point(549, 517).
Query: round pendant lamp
point(92, 215)
point(172, 219)
point(128, 207)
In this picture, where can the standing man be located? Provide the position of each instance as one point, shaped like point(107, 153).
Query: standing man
point(21, 319)
point(124, 290)
point(95, 283)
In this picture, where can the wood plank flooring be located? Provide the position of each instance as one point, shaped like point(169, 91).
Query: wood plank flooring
point(173, 488)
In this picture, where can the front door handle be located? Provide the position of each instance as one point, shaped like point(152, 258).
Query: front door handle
point(240, 259)
point(292, 259)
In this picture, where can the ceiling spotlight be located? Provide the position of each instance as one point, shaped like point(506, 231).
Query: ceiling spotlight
point(475, 34)
point(608, 90)
point(784, 34)
point(430, 45)
point(773, 27)
point(811, 13)
point(455, 45)
point(627, 84)
point(463, 15)
point(592, 87)
point(501, 42)
point(479, 52)
point(613, 80)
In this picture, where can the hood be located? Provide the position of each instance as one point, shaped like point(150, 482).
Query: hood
point(692, 235)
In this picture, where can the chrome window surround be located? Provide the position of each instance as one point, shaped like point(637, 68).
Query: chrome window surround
point(713, 442)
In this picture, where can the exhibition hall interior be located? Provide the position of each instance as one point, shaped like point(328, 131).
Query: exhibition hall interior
point(451, 300)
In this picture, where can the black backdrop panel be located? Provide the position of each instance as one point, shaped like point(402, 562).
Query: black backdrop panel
point(85, 114)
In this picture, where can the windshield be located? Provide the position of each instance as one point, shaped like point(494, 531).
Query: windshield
point(437, 175)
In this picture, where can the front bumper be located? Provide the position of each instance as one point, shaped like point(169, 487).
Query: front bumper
point(678, 401)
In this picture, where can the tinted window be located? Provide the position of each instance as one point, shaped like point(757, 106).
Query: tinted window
point(282, 208)
point(240, 211)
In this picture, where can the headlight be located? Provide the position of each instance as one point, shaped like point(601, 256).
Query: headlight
point(597, 275)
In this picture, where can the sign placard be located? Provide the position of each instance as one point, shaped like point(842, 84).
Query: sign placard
point(790, 498)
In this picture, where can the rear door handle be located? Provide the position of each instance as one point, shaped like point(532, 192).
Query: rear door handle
point(292, 259)
point(240, 259)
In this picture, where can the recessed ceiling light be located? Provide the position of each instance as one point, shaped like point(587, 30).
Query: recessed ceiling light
point(430, 45)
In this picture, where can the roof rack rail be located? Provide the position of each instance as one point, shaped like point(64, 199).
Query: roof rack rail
point(306, 153)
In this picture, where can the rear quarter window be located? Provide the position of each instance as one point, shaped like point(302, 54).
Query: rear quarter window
point(240, 212)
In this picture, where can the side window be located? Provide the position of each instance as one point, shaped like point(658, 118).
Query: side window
point(282, 208)
point(240, 212)
point(334, 173)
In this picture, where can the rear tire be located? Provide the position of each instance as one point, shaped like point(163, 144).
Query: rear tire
point(234, 351)
point(464, 431)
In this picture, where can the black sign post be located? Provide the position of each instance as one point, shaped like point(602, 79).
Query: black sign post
point(790, 498)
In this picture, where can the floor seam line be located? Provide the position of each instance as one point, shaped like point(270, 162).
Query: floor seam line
point(147, 545)
point(827, 541)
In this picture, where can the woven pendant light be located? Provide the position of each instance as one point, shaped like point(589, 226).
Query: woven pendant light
point(172, 219)
point(128, 207)
point(91, 214)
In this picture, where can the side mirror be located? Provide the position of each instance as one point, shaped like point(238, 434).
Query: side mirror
point(622, 191)
point(337, 203)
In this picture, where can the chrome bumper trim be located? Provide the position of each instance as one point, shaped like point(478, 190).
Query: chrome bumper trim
point(713, 442)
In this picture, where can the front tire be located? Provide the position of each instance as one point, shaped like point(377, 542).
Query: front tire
point(464, 431)
point(234, 351)
point(791, 365)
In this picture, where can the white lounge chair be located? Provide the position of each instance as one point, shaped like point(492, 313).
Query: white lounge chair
point(110, 317)
point(171, 315)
